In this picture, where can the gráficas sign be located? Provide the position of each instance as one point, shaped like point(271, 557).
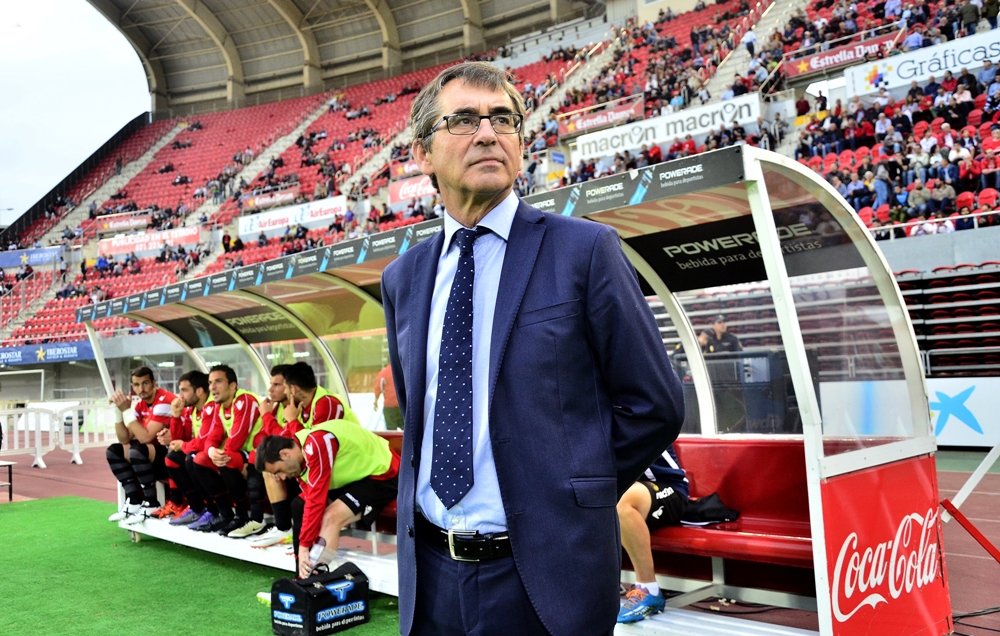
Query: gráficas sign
point(890, 568)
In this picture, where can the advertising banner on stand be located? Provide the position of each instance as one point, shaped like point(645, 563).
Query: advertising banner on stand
point(884, 554)
point(47, 353)
point(662, 130)
point(121, 222)
point(270, 199)
point(589, 122)
point(16, 258)
point(312, 214)
point(963, 411)
point(149, 241)
point(899, 70)
point(842, 55)
point(409, 189)
point(403, 169)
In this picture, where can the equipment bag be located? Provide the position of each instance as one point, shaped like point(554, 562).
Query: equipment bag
point(324, 603)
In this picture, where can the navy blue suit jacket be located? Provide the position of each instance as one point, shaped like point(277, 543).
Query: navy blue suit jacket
point(582, 400)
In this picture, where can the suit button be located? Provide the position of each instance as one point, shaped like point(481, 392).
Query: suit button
point(409, 531)
point(411, 460)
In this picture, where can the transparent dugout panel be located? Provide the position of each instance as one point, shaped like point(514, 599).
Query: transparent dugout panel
point(846, 323)
point(241, 361)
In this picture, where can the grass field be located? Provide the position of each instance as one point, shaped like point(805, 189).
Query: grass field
point(64, 569)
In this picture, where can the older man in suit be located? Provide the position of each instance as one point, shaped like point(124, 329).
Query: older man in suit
point(533, 381)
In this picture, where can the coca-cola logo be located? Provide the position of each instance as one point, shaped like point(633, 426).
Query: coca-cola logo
point(891, 568)
point(415, 188)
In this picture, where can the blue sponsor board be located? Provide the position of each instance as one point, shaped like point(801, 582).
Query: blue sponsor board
point(47, 353)
point(16, 258)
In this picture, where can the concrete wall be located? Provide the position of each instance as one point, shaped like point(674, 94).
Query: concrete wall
point(924, 253)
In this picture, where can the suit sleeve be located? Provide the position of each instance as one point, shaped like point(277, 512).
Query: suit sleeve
point(647, 399)
point(390, 332)
point(243, 419)
point(319, 452)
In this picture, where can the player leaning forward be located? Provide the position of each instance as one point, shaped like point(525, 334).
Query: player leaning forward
point(346, 474)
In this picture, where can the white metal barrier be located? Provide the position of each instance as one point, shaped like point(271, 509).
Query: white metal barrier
point(36, 431)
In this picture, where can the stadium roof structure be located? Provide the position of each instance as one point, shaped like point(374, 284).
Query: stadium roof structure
point(203, 55)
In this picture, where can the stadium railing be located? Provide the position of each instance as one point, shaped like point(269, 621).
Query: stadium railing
point(37, 431)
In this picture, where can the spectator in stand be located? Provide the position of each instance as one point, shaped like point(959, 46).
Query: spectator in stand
point(969, 175)
point(969, 14)
point(262, 240)
point(859, 195)
point(965, 220)
point(990, 10)
point(942, 198)
point(918, 200)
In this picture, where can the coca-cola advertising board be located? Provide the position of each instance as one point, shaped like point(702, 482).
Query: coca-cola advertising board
point(885, 556)
point(842, 55)
point(409, 189)
point(149, 241)
point(593, 121)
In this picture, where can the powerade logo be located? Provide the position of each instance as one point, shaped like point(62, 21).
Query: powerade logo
point(341, 589)
point(546, 205)
point(286, 600)
point(667, 175)
point(286, 616)
point(340, 611)
point(611, 187)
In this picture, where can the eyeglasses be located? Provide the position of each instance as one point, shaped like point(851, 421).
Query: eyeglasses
point(466, 124)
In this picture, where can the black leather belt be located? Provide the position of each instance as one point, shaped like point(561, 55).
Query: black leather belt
point(465, 546)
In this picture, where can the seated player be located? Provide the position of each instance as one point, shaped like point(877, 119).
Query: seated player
point(346, 473)
point(190, 423)
point(307, 404)
point(656, 501)
point(137, 460)
point(223, 469)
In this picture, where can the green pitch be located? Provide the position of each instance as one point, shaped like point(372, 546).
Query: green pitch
point(64, 569)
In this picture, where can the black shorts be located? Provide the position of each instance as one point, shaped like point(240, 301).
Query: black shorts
point(367, 497)
point(666, 507)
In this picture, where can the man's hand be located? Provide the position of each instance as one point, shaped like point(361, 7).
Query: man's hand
point(291, 412)
point(122, 401)
point(177, 407)
point(266, 406)
point(218, 457)
point(177, 445)
point(164, 437)
point(305, 565)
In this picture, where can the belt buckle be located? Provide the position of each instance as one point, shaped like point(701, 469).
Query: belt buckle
point(451, 544)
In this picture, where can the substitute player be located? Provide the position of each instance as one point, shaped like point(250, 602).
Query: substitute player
point(656, 501)
point(222, 469)
point(346, 473)
point(190, 423)
point(137, 460)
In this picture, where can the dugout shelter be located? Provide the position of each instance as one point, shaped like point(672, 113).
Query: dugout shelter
point(818, 431)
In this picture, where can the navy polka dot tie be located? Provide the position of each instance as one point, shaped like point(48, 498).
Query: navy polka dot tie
point(451, 470)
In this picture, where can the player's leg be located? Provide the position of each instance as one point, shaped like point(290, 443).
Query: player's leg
point(143, 457)
point(633, 509)
point(211, 512)
point(207, 475)
point(177, 468)
point(257, 499)
point(280, 493)
point(117, 456)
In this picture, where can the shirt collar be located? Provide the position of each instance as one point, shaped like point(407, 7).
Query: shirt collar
point(498, 220)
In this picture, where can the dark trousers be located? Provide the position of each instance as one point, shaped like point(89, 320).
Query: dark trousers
point(457, 598)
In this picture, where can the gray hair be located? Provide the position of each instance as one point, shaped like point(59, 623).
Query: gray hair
point(425, 112)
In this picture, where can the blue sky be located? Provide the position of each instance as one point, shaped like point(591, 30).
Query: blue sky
point(68, 81)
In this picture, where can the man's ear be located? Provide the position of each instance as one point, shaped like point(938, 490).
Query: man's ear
point(422, 156)
point(285, 454)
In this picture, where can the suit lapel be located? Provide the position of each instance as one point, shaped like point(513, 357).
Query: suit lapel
point(423, 276)
point(525, 238)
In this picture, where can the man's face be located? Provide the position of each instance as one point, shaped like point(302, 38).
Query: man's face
point(289, 466)
point(187, 393)
point(720, 327)
point(144, 387)
point(296, 393)
point(483, 164)
point(277, 390)
point(220, 388)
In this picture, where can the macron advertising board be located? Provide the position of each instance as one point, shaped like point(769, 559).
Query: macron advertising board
point(741, 110)
point(898, 71)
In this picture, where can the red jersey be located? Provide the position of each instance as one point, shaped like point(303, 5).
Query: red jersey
point(159, 411)
point(182, 428)
point(327, 407)
point(242, 414)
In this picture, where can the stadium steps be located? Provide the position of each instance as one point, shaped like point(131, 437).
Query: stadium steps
point(536, 119)
point(33, 308)
point(736, 62)
point(79, 214)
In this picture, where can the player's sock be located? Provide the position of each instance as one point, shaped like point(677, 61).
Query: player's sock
point(177, 468)
point(123, 472)
point(203, 495)
point(237, 487)
point(144, 473)
point(282, 515)
point(212, 483)
point(256, 493)
point(652, 588)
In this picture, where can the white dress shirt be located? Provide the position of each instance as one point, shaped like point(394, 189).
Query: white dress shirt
point(481, 509)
